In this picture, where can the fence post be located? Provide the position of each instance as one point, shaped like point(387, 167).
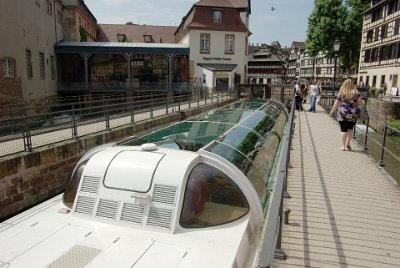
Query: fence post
point(151, 104)
point(27, 136)
point(133, 111)
point(366, 135)
point(74, 124)
point(383, 147)
point(107, 116)
point(190, 94)
point(166, 102)
point(198, 97)
point(179, 100)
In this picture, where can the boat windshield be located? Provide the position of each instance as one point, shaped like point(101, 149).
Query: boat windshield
point(211, 198)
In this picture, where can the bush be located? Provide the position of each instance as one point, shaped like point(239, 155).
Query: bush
point(372, 91)
point(395, 124)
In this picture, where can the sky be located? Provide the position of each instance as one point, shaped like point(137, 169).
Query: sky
point(270, 20)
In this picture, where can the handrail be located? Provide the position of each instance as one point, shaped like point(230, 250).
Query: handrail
point(384, 149)
point(23, 131)
point(271, 241)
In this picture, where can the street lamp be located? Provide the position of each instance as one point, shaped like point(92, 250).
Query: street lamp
point(336, 47)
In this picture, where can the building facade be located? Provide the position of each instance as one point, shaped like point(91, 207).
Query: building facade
point(320, 67)
point(266, 65)
point(293, 63)
point(379, 65)
point(27, 54)
point(79, 24)
point(217, 33)
point(28, 61)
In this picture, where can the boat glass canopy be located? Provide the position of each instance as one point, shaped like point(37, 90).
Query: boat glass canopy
point(247, 133)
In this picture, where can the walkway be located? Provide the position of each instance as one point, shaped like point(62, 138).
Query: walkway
point(344, 209)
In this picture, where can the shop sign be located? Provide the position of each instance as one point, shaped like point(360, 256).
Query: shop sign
point(216, 58)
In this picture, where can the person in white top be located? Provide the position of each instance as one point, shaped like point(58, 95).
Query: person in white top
point(313, 95)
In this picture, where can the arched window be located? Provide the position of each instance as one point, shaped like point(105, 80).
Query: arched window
point(211, 198)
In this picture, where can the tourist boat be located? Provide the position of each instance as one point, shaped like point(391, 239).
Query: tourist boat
point(193, 194)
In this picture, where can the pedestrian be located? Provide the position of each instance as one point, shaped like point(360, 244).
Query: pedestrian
point(298, 96)
point(304, 92)
point(319, 93)
point(347, 106)
point(313, 95)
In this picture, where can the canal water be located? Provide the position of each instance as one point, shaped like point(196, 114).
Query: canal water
point(374, 145)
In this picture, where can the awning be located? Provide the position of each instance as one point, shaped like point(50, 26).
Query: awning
point(217, 66)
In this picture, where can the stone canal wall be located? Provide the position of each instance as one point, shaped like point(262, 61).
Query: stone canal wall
point(34, 177)
point(382, 112)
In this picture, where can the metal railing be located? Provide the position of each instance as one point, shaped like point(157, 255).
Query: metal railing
point(271, 245)
point(25, 130)
point(383, 147)
point(380, 145)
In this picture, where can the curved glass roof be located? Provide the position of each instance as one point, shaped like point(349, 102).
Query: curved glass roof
point(243, 132)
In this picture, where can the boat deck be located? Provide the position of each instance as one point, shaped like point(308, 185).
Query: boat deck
point(344, 207)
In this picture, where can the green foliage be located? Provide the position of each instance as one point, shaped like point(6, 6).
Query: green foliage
point(372, 91)
point(325, 24)
point(83, 34)
point(352, 33)
point(395, 124)
point(333, 19)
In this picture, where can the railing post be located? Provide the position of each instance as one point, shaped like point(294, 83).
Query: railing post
point(151, 104)
point(74, 123)
point(381, 163)
point(198, 97)
point(366, 135)
point(27, 136)
point(179, 100)
point(189, 96)
point(133, 111)
point(107, 116)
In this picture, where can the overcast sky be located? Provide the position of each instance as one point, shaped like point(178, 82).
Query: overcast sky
point(286, 23)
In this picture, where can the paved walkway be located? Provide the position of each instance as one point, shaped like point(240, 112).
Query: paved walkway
point(345, 210)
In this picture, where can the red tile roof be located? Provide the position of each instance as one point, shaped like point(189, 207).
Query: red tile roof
point(224, 3)
point(135, 33)
point(203, 18)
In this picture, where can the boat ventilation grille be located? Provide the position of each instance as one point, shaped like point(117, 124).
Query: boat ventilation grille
point(132, 213)
point(85, 205)
point(107, 209)
point(164, 194)
point(90, 185)
point(160, 217)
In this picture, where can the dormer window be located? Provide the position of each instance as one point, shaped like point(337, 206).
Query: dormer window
point(121, 37)
point(217, 15)
point(147, 38)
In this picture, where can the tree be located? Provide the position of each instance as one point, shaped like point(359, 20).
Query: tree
point(333, 19)
point(325, 24)
point(352, 34)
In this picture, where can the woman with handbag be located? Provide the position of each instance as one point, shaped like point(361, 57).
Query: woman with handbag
point(347, 106)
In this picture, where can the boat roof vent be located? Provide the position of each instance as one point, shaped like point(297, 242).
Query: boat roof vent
point(148, 147)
